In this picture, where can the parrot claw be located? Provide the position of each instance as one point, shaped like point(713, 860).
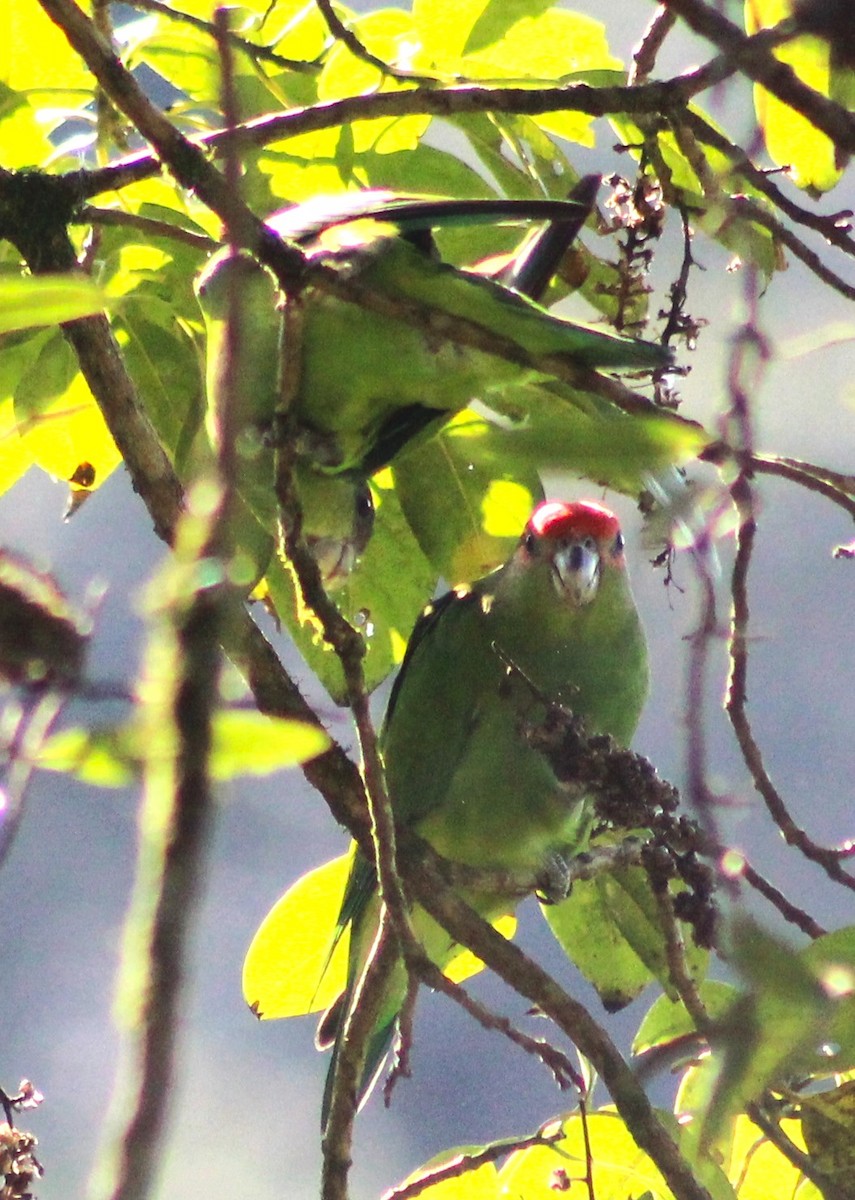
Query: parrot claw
point(555, 882)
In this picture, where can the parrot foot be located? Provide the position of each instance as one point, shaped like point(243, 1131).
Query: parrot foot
point(556, 879)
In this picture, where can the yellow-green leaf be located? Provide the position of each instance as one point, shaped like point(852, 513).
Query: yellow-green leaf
point(34, 53)
point(291, 967)
point(28, 300)
point(760, 1169)
point(250, 743)
point(465, 964)
point(244, 743)
point(791, 139)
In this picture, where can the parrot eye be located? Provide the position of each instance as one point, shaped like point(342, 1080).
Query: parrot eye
point(364, 504)
point(529, 542)
point(619, 544)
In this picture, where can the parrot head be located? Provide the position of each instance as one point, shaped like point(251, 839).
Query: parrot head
point(338, 519)
point(576, 544)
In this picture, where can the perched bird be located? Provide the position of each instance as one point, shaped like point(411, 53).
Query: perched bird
point(556, 623)
point(371, 381)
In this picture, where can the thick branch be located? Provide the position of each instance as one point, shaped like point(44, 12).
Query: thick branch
point(652, 98)
point(530, 980)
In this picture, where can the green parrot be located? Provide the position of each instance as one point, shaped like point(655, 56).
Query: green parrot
point(369, 382)
point(556, 623)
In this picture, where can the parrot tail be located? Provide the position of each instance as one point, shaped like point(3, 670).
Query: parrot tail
point(331, 1032)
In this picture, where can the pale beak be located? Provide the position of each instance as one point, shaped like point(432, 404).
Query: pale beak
point(335, 558)
point(577, 571)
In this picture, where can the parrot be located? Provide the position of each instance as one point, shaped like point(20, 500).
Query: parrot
point(370, 382)
point(556, 623)
point(337, 506)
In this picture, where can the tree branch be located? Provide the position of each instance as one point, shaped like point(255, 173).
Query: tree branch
point(755, 58)
point(530, 980)
point(252, 49)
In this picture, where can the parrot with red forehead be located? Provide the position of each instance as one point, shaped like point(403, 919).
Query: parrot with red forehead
point(556, 623)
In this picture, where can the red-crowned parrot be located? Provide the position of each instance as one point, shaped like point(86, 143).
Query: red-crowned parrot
point(556, 623)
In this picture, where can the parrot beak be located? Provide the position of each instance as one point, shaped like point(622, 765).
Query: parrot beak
point(576, 568)
point(336, 559)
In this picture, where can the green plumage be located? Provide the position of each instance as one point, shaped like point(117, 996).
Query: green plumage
point(362, 369)
point(557, 623)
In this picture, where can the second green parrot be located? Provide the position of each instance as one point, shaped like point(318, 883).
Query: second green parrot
point(370, 380)
point(557, 623)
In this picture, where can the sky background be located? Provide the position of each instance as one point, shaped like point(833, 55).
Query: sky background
point(246, 1110)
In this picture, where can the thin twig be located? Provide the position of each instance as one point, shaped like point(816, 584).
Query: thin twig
point(652, 40)
point(675, 950)
point(466, 1162)
point(178, 705)
point(801, 1161)
point(744, 206)
point(563, 1071)
point(447, 101)
point(32, 724)
point(359, 1023)
point(344, 34)
point(789, 911)
point(832, 226)
point(698, 791)
point(736, 704)
point(236, 41)
point(830, 484)
point(400, 1068)
point(90, 214)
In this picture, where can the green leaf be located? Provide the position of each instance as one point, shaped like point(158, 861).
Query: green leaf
point(100, 757)
point(464, 505)
point(244, 743)
point(59, 421)
point(165, 367)
point(771, 1030)
point(621, 1170)
point(498, 19)
point(832, 959)
point(30, 300)
point(667, 1020)
point(585, 927)
point(828, 1126)
point(292, 966)
point(609, 928)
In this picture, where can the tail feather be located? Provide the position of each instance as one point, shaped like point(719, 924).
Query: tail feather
point(379, 1045)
